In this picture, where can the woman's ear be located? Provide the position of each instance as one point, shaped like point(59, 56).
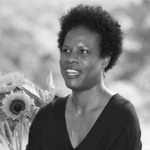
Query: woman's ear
point(105, 61)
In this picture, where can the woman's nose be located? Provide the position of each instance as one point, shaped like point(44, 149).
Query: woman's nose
point(73, 58)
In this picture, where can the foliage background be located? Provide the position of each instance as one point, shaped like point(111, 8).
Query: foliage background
point(28, 44)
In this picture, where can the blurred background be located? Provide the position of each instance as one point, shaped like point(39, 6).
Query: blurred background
point(28, 44)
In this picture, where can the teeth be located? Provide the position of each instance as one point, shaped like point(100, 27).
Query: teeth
point(72, 72)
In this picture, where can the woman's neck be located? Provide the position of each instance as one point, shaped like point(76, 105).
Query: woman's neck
point(85, 101)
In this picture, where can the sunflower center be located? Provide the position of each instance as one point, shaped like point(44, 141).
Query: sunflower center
point(16, 106)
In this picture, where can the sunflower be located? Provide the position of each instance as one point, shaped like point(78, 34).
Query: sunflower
point(16, 105)
point(9, 81)
point(4, 88)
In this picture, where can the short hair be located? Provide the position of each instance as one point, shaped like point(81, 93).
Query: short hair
point(99, 21)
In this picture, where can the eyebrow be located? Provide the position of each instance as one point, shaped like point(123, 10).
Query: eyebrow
point(65, 46)
point(86, 47)
point(83, 47)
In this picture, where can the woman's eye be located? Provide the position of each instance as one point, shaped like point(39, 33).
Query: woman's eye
point(83, 51)
point(65, 50)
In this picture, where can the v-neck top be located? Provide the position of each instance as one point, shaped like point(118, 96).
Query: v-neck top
point(116, 128)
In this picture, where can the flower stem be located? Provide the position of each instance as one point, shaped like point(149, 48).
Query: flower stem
point(16, 140)
point(20, 134)
point(8, 143)
point(11, 146)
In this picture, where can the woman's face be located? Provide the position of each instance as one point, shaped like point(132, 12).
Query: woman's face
point(80, 61)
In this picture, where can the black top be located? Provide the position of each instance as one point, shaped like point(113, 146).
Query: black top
point(117, 128)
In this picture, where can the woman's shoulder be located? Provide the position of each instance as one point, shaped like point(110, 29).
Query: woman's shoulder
point(55, 104)
point(123, 108)
point(121, 102)
point(52, 109)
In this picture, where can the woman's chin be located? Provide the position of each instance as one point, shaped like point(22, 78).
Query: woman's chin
point(72, 86)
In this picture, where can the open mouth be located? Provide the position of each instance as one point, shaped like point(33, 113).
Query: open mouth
point(72, 72)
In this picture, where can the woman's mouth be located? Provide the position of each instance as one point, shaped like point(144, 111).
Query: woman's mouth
point(72, 73)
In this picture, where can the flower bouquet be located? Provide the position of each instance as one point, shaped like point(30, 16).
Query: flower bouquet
point(20, 100)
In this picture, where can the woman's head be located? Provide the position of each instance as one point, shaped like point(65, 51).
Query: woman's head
point(80, 64)
point(98, 21)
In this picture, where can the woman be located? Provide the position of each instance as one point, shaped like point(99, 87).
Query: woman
point(92, 117)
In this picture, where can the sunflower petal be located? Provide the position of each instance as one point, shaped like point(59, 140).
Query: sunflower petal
point(33, 92)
